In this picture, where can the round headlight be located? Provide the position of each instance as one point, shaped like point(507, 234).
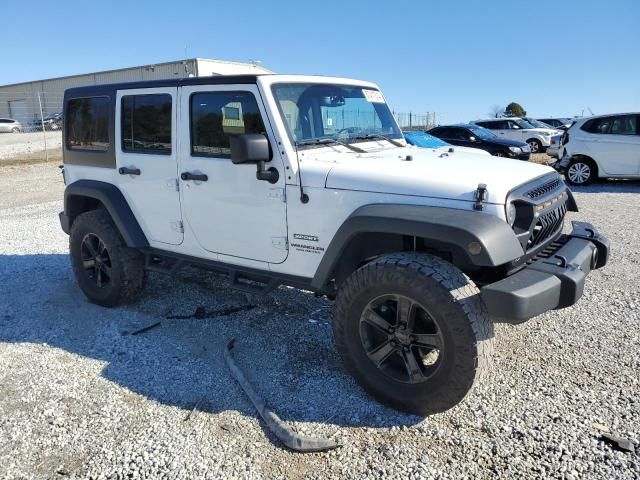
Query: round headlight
point(511, 214)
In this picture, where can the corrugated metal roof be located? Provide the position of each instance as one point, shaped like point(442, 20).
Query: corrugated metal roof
point(150, 65)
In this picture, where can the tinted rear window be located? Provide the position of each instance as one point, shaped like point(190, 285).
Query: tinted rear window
point(88, 123)
point(146, 124)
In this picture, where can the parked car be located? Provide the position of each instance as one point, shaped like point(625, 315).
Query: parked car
point(423, 139)
point(467, 135)
point(606, 146)
point(553, 150)
point(50, 122)
point(10, 125)
point(519, 129)
point(561, 123)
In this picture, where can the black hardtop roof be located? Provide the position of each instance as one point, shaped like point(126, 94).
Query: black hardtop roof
point(168, 82)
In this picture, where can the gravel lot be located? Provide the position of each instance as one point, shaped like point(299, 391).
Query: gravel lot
point(28, 143)
point(83, 398)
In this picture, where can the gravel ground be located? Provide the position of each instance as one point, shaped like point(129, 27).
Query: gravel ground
point(12, 144)
point(83, 398)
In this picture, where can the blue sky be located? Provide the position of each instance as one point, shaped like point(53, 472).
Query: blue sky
point(457, 58)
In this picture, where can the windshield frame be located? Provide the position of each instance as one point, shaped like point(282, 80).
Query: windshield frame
point(398, 135)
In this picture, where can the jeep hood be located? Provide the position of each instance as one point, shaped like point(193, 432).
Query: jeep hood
point(432, 173)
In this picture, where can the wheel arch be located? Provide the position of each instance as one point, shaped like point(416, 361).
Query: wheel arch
point(378, 229)
point(85, 195)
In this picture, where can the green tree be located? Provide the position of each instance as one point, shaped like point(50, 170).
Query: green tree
point(515, 110)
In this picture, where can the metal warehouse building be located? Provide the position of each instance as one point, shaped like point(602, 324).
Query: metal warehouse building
point(24, 101)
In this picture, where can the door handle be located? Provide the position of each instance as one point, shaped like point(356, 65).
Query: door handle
point(199, 177)
point(129, 171)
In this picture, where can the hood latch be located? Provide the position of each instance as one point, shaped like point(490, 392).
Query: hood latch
point(480, 197)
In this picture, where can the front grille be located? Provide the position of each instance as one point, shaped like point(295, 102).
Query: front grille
point(543, 189)
point(546, 225)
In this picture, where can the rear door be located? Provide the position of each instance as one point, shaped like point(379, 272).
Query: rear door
point(146, 158)
point(230, 211)
point(615, 144)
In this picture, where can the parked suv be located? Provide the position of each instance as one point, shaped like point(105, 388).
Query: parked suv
point(470, 135)
point(307, 181)
point(10, 125)
point(519, 129)
point(559, 123)
point(606, 146)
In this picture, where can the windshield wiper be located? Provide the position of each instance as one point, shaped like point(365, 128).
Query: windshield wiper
point(377, 135)
point(329, 141)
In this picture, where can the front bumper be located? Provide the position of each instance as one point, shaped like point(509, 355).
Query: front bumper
point(553, 279)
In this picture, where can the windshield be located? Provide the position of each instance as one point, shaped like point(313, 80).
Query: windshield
point(537, 123)
point(313, 111)
point(524, 124)
point(483, 133)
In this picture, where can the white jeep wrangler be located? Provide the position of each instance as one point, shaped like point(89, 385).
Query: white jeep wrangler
point(307, 181)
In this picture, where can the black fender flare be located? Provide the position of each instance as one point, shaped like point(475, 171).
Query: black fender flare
point(113, 201)
point(449, 227)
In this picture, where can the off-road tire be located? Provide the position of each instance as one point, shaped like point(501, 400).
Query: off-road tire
point(453, 301)
point(126, 264)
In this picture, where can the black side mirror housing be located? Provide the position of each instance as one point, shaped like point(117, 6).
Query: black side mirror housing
point(254, 148)
point(249, 148)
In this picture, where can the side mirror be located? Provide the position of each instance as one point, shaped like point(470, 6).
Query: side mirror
point(473, 139)
point(249, 148)
point(253, 148)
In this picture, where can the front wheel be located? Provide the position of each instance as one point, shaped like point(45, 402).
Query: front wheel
point(413, 331)
point(107, 271)
point(535, 145)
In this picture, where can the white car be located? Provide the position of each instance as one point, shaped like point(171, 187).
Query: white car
point(606, 146)
point(307, 181)
point(519, 129)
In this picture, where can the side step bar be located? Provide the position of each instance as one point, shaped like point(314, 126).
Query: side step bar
point(258, 282)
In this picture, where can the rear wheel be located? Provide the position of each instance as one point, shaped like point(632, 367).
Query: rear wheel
point(580, 171)
point(413, 331)
point(107, 271)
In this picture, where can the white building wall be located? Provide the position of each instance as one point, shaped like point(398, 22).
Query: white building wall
point(51, 91)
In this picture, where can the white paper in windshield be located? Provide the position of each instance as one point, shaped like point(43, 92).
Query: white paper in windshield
point(373, 96)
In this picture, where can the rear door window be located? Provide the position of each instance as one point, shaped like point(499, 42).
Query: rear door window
point(88, 123)
point(623, 125)
point(146, 124)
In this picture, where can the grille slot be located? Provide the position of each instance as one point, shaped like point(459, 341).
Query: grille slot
point(543, 189)
point(546, 225)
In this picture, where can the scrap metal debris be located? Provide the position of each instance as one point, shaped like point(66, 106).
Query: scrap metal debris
point(619, 443)
point(201, 313)
point(145, 329)
point(279, 428)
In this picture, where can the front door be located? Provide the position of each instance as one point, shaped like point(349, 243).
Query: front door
point(146, 158)
point(615, 144)
point(229, 211)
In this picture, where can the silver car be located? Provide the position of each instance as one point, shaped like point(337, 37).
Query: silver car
point(10, 125)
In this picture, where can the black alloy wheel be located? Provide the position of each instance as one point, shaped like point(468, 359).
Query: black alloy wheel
point(401, 338)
